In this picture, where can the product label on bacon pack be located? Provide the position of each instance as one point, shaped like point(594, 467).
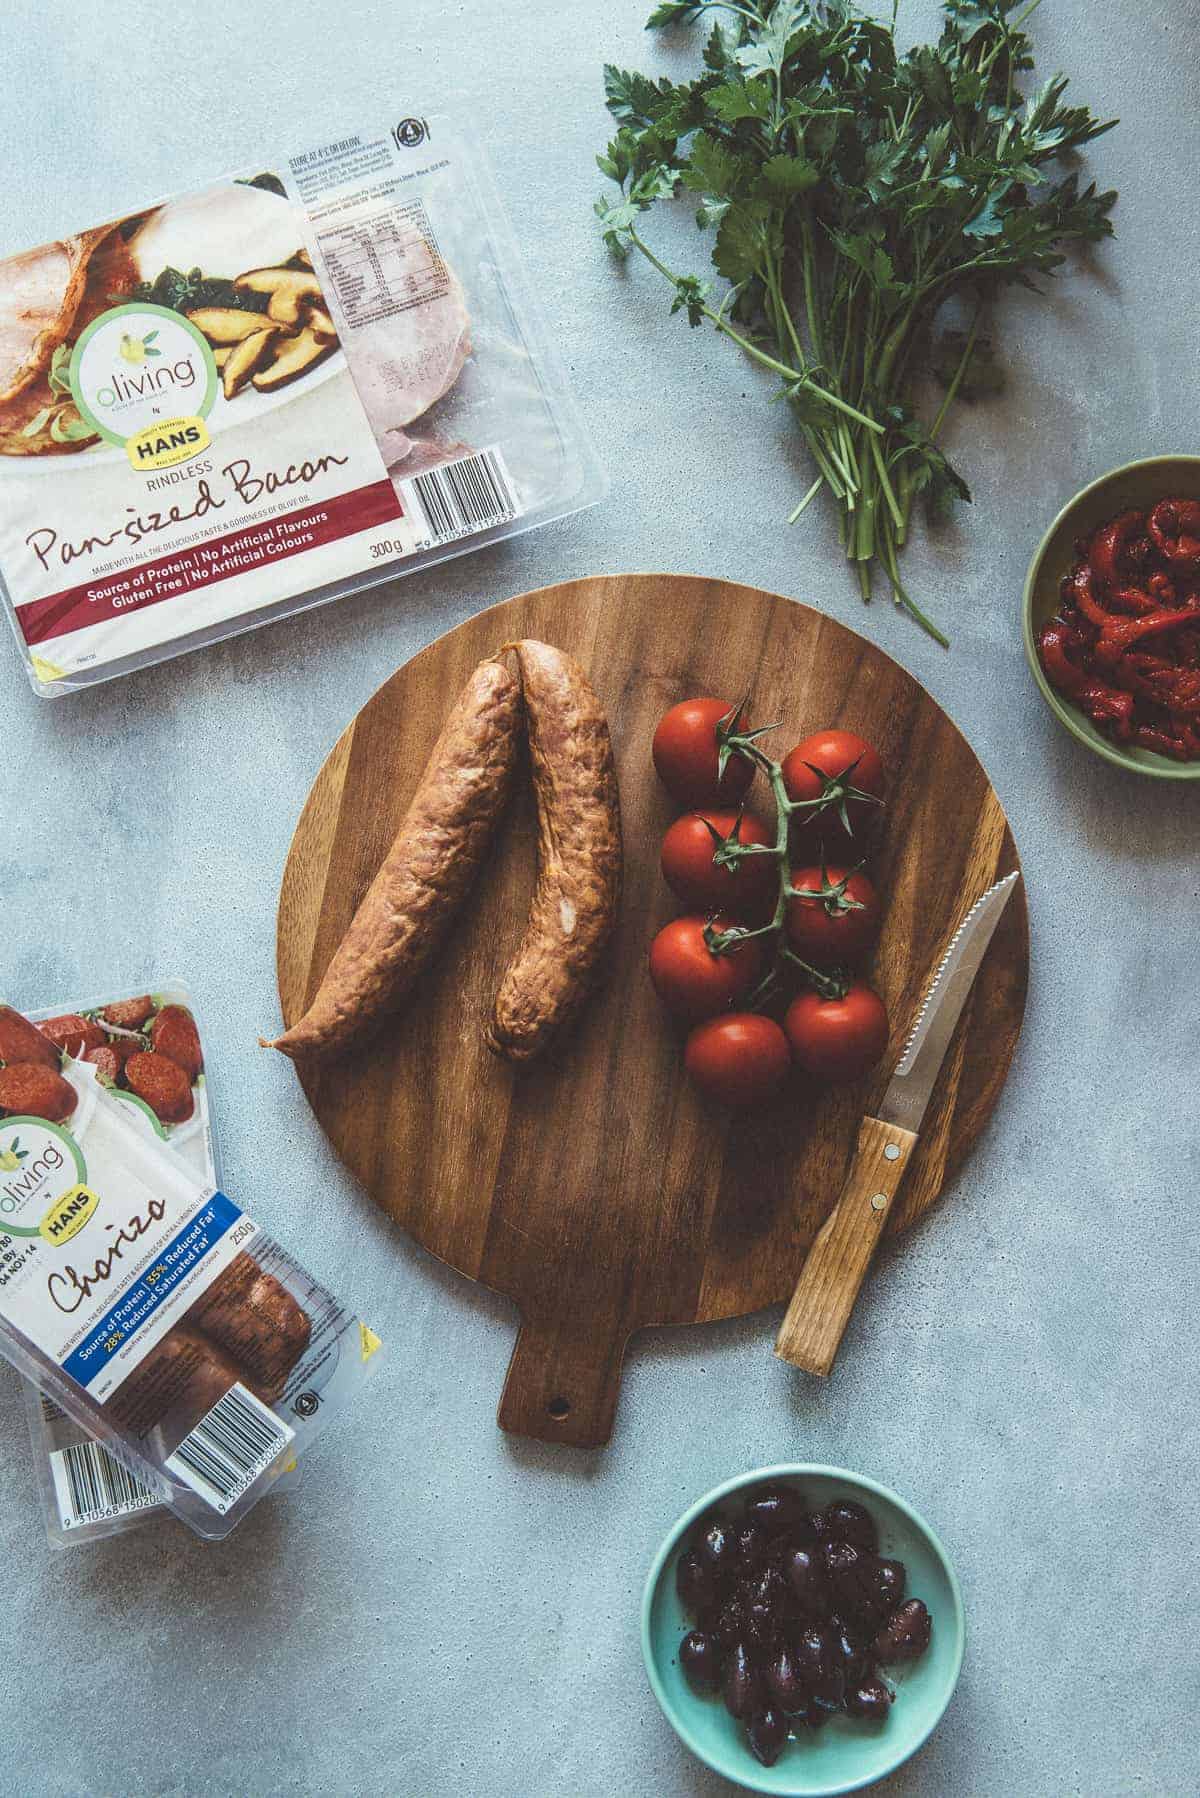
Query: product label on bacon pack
point(196, 450)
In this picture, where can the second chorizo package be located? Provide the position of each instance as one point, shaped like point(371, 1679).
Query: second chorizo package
point(146, 1304)
point(86, 1494)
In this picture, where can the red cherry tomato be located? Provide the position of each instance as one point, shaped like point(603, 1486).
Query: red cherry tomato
point(739, 1060)
point(838, 1039)
point(827, 763)
point(839, 927)
point(685, 755)
point(693, 982)
point(696, 879)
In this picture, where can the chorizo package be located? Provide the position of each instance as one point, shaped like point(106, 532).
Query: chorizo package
point(86, 1494)
point(140, 1299)
point(293, 383)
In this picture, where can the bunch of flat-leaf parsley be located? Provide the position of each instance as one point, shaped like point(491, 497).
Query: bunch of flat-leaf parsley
point(852, 191)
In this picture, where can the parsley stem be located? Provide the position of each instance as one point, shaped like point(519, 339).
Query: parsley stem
point(886, 485)
point(828, 471)
point(808, 498)
point(795, 377)
point(957, 376)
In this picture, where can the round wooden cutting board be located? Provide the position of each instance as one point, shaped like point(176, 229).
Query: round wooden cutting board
point(596, 1190)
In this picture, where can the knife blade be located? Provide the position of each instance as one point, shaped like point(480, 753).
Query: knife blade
point(838, 1260)
point(911, 1088)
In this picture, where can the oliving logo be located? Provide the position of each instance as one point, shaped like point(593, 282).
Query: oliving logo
point(15, 1194)
point(128, 389)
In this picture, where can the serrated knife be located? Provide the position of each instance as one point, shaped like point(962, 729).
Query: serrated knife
point(838, 1260)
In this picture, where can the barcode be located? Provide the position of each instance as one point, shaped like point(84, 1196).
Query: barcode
point(462, 497)
point(228, 1449)
point(90, 1486)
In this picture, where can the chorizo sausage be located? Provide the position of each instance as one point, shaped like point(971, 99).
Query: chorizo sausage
point(30, 1089)
point(254, 1319)
point(427, 872)
point(578, 885)
point(174, 1035)
point(129, 1014)
point(108, 1064)
point(162, 1085)
point(21, 1041)
point(73, 1034)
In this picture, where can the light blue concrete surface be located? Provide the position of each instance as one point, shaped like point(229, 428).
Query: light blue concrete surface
point(443, 1611)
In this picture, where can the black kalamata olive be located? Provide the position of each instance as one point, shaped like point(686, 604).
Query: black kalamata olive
point(776, 1511)
point(853, 1577)
point(766, 1732)
point(814, 1524)
point(851, 1657)
point(787, 1690)
point(741, 1686)
point(762, 1624)
point(905, 1635)
point(753, 1543)
point(830, 1689)
point(729, 1623)
point(806, 1576)
point(700, 1657)
point(890, 1576)
point(869, 1698)
point(813, 1652)
point(695, 1584)
point(817, 1716)
point(719, 1549)
point(846, 1521)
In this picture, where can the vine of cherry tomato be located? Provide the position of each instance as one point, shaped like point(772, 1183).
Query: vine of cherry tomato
point(767, 902)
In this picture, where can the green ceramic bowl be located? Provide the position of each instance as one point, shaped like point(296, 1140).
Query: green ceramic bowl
point(1135, 485)
point(846, 1755)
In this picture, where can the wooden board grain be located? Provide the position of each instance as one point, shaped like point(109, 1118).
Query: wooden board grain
point(594, 1189)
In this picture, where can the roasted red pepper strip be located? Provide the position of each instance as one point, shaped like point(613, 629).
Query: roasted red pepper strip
point(1109, 547)
point(1060, 671)
point(1101, 703)
point(1174, 527)
point(1117, 635)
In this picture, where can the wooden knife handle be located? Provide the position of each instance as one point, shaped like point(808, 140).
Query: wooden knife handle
point(839, 1258)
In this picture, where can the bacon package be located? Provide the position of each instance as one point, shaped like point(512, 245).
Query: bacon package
point(87, 1494)
point(247, 400)
point(141, 1300)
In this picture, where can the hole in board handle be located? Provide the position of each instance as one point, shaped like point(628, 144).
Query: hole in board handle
point(559, 1408)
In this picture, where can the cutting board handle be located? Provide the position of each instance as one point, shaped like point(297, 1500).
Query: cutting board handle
point(561, 1389)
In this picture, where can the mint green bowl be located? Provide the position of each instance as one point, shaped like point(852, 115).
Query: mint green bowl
point(1135, 485)
point(847, 1754)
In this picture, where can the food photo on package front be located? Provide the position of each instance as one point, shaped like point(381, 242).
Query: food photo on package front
point(628, 1078)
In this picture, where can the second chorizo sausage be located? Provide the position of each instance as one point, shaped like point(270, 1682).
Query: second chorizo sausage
point(579, 854)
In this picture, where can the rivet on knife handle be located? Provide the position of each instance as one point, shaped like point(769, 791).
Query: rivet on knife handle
point(839, 1258)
